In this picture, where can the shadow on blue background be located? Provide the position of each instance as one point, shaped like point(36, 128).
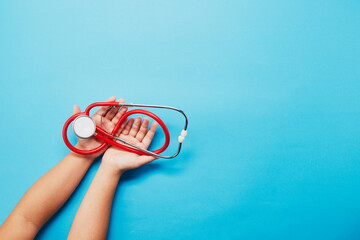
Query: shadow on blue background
point(271, 89)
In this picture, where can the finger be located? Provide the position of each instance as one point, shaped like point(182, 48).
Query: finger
point(150, 135)
point(136, 126)
point(143, 129)
point(114, 110)
point(103, 109)
point(121, 128)
point(76, 109)
point(111, 113)
point(120, 112)
point(127, 127)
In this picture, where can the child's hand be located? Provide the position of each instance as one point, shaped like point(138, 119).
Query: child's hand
point(108, 122)
point(139, 135)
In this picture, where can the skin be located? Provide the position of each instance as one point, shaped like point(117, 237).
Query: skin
point(53, 189)
point(92, 219)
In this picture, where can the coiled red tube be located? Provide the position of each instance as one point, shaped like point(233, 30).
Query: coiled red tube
point(108, 138)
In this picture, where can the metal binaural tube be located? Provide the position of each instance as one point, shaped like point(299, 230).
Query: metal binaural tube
point(153, 106)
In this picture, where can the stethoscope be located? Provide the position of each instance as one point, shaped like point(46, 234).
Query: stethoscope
point(84, 127)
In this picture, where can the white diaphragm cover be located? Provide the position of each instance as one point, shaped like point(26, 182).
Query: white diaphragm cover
point(84, 126)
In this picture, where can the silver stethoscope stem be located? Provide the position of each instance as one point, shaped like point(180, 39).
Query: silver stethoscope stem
point(157, 106)
point(183, 133)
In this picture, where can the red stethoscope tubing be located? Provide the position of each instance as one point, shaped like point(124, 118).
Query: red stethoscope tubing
point(108, 138)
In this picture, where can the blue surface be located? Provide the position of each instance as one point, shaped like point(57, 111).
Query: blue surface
point(271, 89)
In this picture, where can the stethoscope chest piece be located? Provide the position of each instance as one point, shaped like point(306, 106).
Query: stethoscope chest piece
point(84, 126)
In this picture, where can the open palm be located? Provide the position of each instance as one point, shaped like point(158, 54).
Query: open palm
point(137, 133)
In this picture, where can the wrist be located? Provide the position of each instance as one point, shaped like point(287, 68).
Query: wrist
point(111, 170)
point(90, 158)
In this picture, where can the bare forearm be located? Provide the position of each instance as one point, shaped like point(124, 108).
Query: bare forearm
point(92, 219)
point(47, 195)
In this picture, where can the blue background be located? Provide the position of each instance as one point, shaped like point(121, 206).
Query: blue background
point(271, 89)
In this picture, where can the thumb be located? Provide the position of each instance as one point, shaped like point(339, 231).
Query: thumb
point(145, 159)
point(76, 109)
